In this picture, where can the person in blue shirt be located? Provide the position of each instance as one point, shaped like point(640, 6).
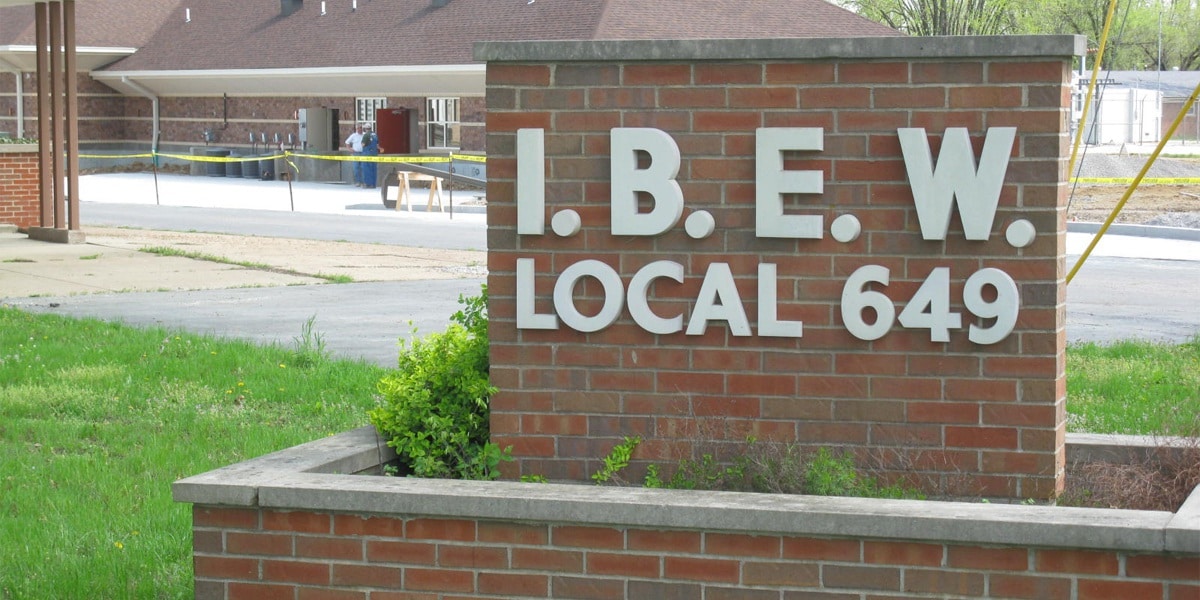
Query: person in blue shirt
point(370, 147)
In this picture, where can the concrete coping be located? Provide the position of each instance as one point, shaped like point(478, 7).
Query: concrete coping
point(18, 148)
point(885, 47)
point(318, 476)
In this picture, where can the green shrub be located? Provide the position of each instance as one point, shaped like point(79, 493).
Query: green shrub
point(434, 407)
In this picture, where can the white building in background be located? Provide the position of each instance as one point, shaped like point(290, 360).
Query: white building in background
point(1135, 107)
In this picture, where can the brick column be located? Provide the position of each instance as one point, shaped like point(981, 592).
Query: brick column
point(975, 408)
point(19, 185)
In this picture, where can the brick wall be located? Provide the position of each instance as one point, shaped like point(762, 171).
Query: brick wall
point(953, 417)
point(19, 186)
point(250, 553)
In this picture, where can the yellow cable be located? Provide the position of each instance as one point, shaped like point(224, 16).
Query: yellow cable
point(1136, 180)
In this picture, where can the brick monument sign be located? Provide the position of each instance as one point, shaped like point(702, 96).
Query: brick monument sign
point(846, 243)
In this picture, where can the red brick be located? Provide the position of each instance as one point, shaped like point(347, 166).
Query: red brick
point(258, 543)
point(742, 545)
point(664, 541)
point(366, 576)
point(224, 518)
point(261, 591)
point(329, 547)
point(781, 574)
point(438, 580)
point(1029, 586)
point(306, 593)
point(507, 533)
point(1076, 561)
point(384, 527)
point(981, 437)
point(869, 72)
point(1158, 566)
point(844, 551)
point(692, 97)
point(401, 552)
point(1026, 72)
point(503, 74)
point(207, 542)
point(296, 572)
point(536, 559)
point(987, 559)
point(220, 567)
point(701, 569)
point(656, 74)
point(514, 584)
point(726, 74)
point(861, 578)
point(1104, 589)
point(581, 588)
point(441, 529)
point(474, 557)
point(902, 553)
point(301, 522)
point(627, 565)
point(942, 582)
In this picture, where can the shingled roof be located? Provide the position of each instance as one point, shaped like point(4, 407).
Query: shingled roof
point(106, 30)
point(255, 34)
point(99, 23)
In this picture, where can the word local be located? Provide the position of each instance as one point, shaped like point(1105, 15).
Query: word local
point(954, 181)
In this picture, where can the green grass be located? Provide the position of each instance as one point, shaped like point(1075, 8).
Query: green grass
point(97, 420)
point(1134, 388)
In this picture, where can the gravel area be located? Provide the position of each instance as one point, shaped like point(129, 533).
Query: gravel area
point(1161, 205)
point(1096, 164)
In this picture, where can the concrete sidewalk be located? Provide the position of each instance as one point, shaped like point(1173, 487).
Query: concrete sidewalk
point(1133, 286)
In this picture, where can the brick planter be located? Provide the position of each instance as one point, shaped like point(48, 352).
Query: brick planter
point(19, 185)
point(287, 526)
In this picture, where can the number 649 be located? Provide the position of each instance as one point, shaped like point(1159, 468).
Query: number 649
point(930, 306)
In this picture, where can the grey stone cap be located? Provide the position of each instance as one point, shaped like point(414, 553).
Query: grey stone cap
point(865, 48)
point(18, 148)
point(305, 478)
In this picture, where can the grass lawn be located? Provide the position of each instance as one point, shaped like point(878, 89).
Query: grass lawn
point(97, 420)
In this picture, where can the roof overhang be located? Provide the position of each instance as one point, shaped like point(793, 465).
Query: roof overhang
point(24, 58)
point(428, 80)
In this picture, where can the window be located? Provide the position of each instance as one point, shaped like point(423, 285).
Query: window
point(442, 119)
point(364, 110)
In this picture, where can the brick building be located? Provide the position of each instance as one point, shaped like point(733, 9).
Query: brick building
point(221, 71)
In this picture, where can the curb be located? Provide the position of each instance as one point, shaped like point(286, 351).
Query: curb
point(1148, 231)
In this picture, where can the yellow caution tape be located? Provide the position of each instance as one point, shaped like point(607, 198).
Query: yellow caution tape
point(148, 155)
point(1127, 180)
point(332, 157)
point(374, 158)
point(221, 159)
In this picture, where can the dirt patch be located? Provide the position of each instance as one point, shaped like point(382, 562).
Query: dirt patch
point(1169, 205)
point(1165, 205)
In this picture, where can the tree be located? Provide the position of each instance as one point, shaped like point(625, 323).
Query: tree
point(940, 17)
point(1134, 36)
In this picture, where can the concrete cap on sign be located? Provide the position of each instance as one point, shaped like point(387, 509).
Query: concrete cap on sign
point(898, 48)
